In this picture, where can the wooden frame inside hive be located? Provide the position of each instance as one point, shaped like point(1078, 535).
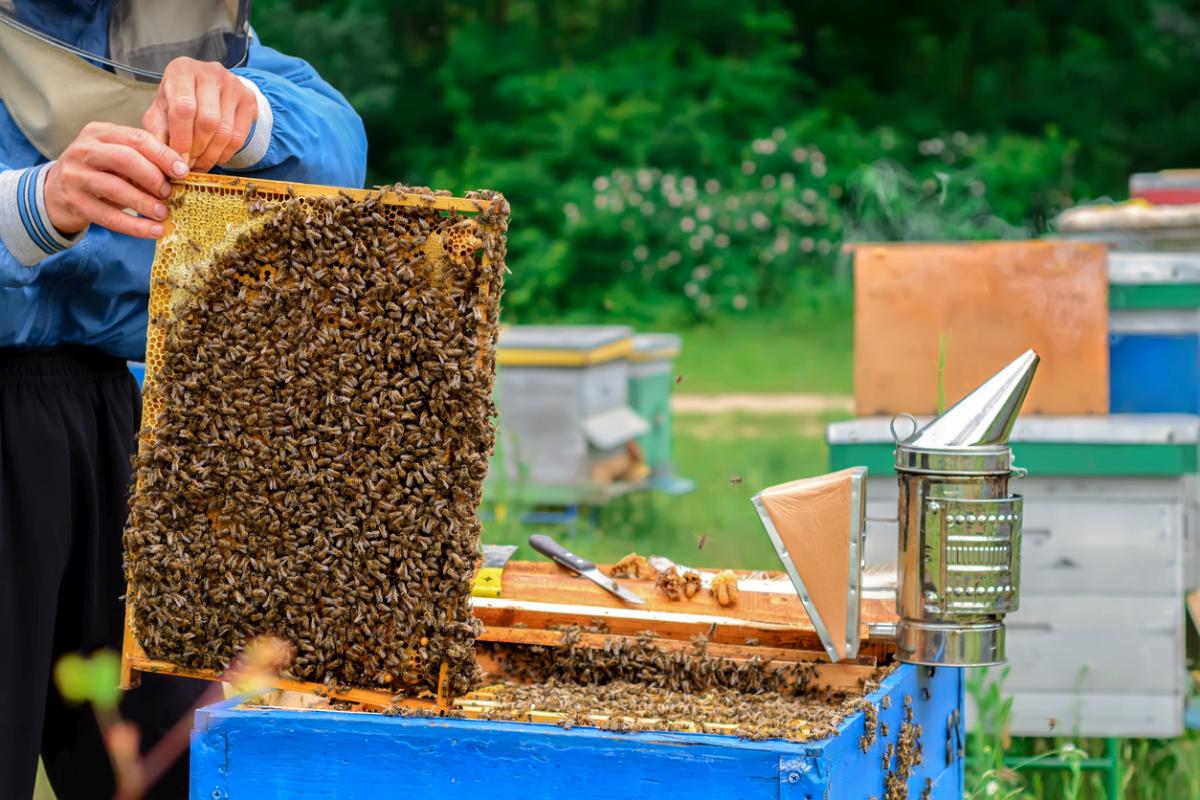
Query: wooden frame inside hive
point(210, 214)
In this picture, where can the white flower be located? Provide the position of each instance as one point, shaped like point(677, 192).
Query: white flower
point(672, 258)
point(779, 134)
point(768, 181)
point(721, 240)
point(645, 179)
point(748, 167)
point(809, 195)
point(787, 180)
point(977, 188)
point(823, 247)
point(696, 243)
point(600, 184)
point(992, 788)
point(688, 183)
point(618, 205)
point(691, 289)
point(647, 208)
point(799, 155)
point(674, 200)
point(704, 301)
point(818, 169)
point(704, 213)
point(705, 231)
point(739, 301)
point(960, 138)
point(807, 244)
point(571, 212)
point(701, 273)
point(781, 244)
point(601, 201)
point(759, 220)
point(769, 146)
point(641, 252)
point(931, 147)
point(687, 224)
point(731, 203)
point(712, 186)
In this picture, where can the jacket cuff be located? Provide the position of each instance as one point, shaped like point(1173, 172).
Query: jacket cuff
point(25, 227)
point(259, 139)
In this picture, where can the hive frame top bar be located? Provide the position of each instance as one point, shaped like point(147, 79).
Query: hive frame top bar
point(440, 202)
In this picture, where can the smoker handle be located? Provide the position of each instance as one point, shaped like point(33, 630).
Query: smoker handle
point(556, 552)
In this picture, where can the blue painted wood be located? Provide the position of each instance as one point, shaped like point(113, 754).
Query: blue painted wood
point(241, 753)
point(1154, 373)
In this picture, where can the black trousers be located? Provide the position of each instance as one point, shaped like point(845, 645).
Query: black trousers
point(68, 424)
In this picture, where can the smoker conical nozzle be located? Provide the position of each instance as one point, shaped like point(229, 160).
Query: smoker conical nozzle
point(986, 415)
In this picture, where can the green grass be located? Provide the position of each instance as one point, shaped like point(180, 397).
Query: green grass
point(811, 353)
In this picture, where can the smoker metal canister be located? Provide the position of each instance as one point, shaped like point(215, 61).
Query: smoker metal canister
point(960, 528)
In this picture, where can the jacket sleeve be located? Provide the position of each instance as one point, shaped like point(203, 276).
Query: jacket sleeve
point(27, 237)
point(306, 131)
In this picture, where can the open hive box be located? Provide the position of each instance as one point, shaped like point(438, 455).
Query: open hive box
point(861, 728)
point(316, 429)
point(555, 648)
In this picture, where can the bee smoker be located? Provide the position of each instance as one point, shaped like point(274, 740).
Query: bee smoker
point(960, 527)
point(960, 534)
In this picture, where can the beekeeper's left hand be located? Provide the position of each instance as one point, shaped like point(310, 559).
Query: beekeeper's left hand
point(202, 111)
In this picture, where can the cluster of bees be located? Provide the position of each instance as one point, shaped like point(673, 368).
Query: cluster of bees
point(641, 660)
point(325, 427)
point(628, 706)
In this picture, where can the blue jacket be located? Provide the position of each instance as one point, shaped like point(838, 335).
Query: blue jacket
point(94, 290)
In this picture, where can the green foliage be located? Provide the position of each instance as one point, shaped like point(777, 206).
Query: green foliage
point(614, 125)
point(91, 679)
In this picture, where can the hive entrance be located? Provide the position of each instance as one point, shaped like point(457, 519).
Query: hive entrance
point(316, 430)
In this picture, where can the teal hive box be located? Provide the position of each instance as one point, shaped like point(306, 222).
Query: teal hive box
point(650, 383)
point(239, 752)
point(1109, 551)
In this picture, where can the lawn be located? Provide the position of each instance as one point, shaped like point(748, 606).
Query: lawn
point(809, 354)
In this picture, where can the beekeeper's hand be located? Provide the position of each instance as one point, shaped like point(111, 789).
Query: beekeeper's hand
point(109, 168)
point(203, 111)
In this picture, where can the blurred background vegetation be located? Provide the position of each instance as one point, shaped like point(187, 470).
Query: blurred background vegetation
point(685, 160)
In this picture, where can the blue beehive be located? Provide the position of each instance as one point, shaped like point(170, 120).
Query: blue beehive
point(1154, 333)
point(240, 752)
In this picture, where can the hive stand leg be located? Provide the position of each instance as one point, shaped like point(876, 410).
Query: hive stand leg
point(1112, 749)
